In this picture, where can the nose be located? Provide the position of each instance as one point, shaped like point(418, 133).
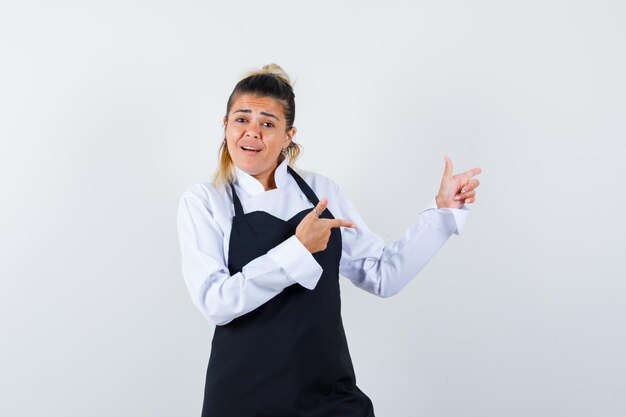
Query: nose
point(253, 130)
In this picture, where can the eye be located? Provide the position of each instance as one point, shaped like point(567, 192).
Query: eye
point(240, 120)
point(268, 124)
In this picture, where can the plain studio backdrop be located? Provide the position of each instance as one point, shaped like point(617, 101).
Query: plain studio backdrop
point(110, 109)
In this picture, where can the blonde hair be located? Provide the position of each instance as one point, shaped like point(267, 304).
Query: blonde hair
point(269, 81)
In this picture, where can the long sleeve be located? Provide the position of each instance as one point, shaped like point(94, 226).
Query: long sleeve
point(383, 269)
point(222, 297)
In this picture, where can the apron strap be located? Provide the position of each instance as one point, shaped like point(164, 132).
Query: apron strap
point(236, 202)
point(304, 187)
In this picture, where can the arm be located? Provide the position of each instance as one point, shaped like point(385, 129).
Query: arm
point(222, 297)
point(383, 269)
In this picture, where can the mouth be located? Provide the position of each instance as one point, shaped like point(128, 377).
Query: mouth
point(250, 149)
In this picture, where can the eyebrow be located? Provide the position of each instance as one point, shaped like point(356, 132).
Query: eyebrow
point(250, 111)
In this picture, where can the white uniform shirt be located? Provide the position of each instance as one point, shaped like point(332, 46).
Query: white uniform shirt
point(204, 221)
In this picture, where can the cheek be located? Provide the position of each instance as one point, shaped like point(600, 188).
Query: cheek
point(278, 145)
point(231, 139)
point(232, 134)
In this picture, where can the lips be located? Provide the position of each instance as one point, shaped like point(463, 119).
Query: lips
point(248, 148)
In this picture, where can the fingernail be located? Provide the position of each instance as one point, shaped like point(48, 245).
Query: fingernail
point(458, 197)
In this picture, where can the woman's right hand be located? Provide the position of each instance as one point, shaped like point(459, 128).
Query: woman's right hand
point(314, 232)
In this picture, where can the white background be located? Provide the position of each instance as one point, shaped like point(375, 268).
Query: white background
point(110, 109)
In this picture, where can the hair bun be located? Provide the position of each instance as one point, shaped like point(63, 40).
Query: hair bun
point(273, 69)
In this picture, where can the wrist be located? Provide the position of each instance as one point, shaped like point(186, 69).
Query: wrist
point(438, 201)
point(302, 242)
point(441, 203)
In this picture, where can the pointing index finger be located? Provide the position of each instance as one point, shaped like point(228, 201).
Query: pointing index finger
point(341, 223)
point(471, 172)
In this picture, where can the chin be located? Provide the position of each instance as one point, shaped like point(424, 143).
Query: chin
point(250, 169)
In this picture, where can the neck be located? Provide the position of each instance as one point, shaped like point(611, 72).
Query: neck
point(267, 179)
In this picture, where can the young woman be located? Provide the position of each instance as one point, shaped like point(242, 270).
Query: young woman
point(262, 249)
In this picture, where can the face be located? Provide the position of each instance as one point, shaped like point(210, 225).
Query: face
point(256, 132)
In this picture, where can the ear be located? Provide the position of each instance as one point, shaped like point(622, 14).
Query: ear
point(225, 121)
point(289, 135)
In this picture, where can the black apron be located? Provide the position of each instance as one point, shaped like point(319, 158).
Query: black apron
point(288, 357)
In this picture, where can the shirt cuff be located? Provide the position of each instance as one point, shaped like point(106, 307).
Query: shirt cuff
point(297, 261)
point(459, 215)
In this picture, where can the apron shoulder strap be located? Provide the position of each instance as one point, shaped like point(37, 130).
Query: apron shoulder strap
point(308, 192)
point(236, 201)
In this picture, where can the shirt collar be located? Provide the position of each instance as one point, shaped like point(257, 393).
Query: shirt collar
point(252, 186)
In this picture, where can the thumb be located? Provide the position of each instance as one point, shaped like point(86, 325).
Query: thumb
point(448, 169)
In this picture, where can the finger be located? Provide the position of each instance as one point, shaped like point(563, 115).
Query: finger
point(341, 223)
point(471, 184)
point(448, 169)
point(320, 207)
point(471, 172)
point(465, 195)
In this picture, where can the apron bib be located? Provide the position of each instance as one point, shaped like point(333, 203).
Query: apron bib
point(289, 357)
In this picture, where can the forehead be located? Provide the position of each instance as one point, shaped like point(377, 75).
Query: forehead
point(256, 104)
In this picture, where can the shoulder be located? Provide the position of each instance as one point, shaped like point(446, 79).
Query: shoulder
point(318, 182)
point(206, 195)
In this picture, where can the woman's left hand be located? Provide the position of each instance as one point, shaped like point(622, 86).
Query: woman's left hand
point(457, 189)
